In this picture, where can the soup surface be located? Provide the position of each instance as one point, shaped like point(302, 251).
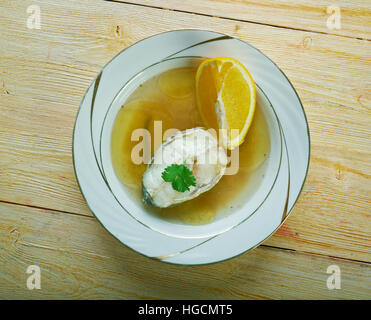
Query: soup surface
point(170, 98)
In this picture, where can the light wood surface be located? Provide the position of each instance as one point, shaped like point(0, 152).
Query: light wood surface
point(295, 14)
point(43, 76)
point(79, 259)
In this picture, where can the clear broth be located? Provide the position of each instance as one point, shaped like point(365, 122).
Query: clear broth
point(170, 97)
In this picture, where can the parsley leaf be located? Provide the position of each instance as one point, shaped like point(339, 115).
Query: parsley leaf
point(180, 176)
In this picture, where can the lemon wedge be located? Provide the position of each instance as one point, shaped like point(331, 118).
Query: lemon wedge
point(226, 98)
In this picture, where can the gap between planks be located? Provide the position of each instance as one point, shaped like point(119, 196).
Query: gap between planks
point(47, 209)
point(94, 218)
point(232, 19)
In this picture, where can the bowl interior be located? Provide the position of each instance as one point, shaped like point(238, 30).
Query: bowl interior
point(246, 204)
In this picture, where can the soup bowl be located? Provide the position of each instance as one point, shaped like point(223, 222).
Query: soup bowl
point(260, 210)
point(249, 200)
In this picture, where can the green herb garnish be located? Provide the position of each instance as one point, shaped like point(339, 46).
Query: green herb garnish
point(180, 176)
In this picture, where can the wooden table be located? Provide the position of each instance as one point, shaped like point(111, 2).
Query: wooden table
point(44, 220)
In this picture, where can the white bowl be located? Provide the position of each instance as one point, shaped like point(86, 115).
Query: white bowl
point(263, 211)
point(264, 177)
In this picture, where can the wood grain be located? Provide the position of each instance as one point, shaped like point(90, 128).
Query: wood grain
point(44, 74)
point(296, 14)
point(80, 260)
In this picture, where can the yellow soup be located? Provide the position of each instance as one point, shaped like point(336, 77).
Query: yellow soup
point(170, 98)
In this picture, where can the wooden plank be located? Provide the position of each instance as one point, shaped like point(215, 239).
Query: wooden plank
point(297, 14)
point(36, 166)
point(327, 219)
point(45, 72)
point(318, 223)
point(80, 260)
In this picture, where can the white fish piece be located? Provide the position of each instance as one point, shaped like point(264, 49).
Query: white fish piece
point(196, 148)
